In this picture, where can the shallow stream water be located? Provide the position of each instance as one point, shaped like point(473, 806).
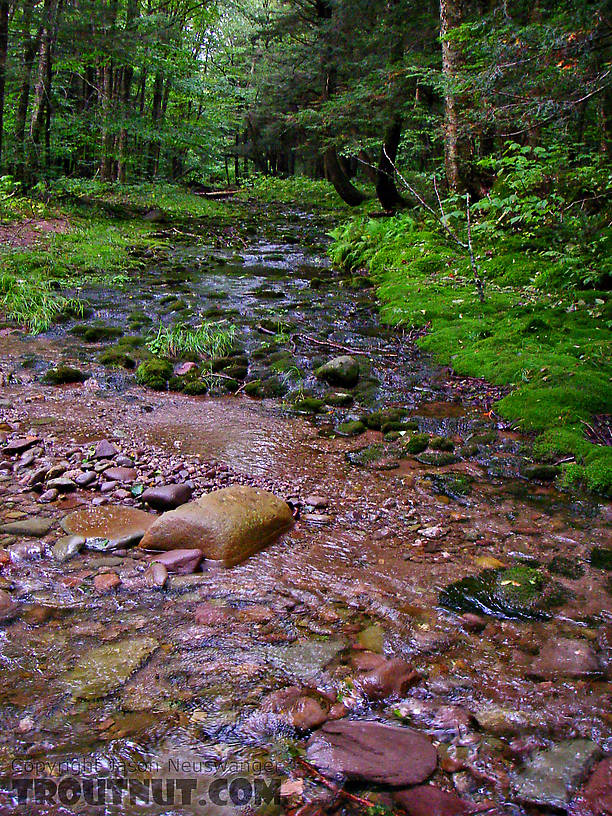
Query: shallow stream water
point(363, 567)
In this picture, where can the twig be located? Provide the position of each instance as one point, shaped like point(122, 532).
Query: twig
point(475, 270)
point(358, 800)
point(340, 346)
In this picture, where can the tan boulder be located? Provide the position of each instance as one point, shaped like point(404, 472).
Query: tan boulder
point(227, 525)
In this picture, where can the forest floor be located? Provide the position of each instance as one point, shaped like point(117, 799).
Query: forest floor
point(434, 577)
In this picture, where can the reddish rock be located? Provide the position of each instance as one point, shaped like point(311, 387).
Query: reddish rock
point(120, 474)
point(7, 605)
point(156, 575)
point(208, 614)
point(428, 800)
point(565, 657)
point(391, 678)
point(106, 581)
point(105, 450)
point(167, 497)
point(595, 797)
point(20, 445)
point(372, 752)
point(472, 622)
point(256, 614)
point(181, 562)
point(302, 710)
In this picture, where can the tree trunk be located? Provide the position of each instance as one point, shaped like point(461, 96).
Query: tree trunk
point(42, 96)
point(451, 15)
point(386, 189)
point(30, 47)
point(4, 23)
point(336, 175)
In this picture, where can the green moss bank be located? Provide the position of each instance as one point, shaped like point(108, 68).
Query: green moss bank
point(551, 346)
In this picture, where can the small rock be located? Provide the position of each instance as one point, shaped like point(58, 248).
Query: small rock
point(106, 581)
point(35, 527)
point(390, 678)
point(181, 562)
point(428, 800)
point(343, 370)
point(167, 497)
point(62, 485)
point(318, 502)
point(565, 657)
point(8, 607)
point(20, 445)
point(184, 368)
point(156, 574)
point(595, 798)
point(67, 546)
point(48, 496)
point(26, 550)
point(105, 450)
point(85, 479)
point(207, 614)
point(120, 474)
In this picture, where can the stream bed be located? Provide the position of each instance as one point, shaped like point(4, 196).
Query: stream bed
point(493, 588)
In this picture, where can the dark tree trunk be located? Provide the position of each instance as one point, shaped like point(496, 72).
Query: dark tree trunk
point(4, 24)
point(30, 47)
point(386, 189)
point(451, 16)
point(39, 121)
point(336, 175)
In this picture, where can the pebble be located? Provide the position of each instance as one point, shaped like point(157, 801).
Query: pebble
point(156, 574)
point(121, 474)
point(105, 450)
point(48, 496)
point(85, 479)
point(106, 581)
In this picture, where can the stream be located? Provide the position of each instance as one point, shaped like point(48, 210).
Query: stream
point(380, 536)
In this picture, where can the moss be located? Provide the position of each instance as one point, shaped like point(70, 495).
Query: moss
point(154, 374)
point(115, 358)
point(417, 443)
point(542, 473)
point(97, 332)
point(63, 374)
point(601, 558)
point(376, 419)
point(351, 428)
point(567, 567)
point(437, 458)
point(453, 485)
point(338, 399)
point(377, 456)
point(194, 388)
point(441, 443)
point(308, 405)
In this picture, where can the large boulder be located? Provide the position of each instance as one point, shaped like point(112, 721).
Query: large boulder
point(227, 525)
point(342, 370)
point(372, 752)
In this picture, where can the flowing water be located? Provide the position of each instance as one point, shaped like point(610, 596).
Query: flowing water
point(363, 567)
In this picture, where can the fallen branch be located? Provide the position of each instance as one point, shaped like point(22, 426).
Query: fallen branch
point(340, 347)
point(340, 792)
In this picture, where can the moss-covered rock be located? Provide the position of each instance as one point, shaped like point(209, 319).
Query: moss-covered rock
point(377, 456)
point(351, 428)
point(416, 444)
point(542, 473)
point(116, 358)
point(338, 399)
point(343, 370)
point(96, 332)
point(437, 458)
point(308, 405)
point(601, 558)
point(254, 388)
point(441, 443)
point(519, 592)
point(567, 567)
point(154, 373)
point(64, 374)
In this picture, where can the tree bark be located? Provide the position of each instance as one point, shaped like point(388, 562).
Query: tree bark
point(451, 16)
point(386, 189)
point(4, 25)
point(336, 175)
point(42, 96)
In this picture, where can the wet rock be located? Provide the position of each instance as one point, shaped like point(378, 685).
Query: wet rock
point(209, 614)
point(372, 752)
point(48, 496)
point(376, 456)
point(549, 778)
point(371, 639)
point(391, 678)
point(26, 550)
point(108, 527)
point(68, 546)
point(517, 592)
point(343, 371)
point(106, 581)
point(304, 660)
point(181, 562)
point(19, 445)
point(565, 657)
point(567, 567)
point(542, 473)
point(35, 527)
point(105, 450)
point(595, 798)
point(61, 484)
point(106, 668)
point(472, 622)
point(120, 474)
point(167, 497)
point(428, 800)
point(227, 525)
point(506, 722)
point(8, 607)
point(318, 502)
point(63, 374)
point(445, 719)
point(156, 574)
point(300, 709)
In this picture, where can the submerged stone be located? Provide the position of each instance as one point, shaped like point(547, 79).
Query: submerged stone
point(304, 660)
point(31, 527)
point(227, 525)
point(549, 778)
point(372, 752)
point(108, 527)
point(566, 657)
point(517, 592)
point(106, 668)
point(67, 546)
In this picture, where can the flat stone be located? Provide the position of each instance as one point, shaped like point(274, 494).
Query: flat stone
point(372, 752)
point(108, 527)
point(106, 668)
point(156, 574)
point(181, 562)
point(67, 547)
point(551, 777)
point(34, 527)
point(48, 496)
point(428, 800)
point(120, 474)
point(61, 484)
point(595, 798)
point(105, 450)
point(106, 581)
point(303, 660)
point(20, 445)
point(167, 497)
point(85, 479)
point(565, 657)
point(227, 525)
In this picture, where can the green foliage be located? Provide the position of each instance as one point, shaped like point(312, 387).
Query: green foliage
point(206, 340)
point(31, 302)
point(298, 191)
